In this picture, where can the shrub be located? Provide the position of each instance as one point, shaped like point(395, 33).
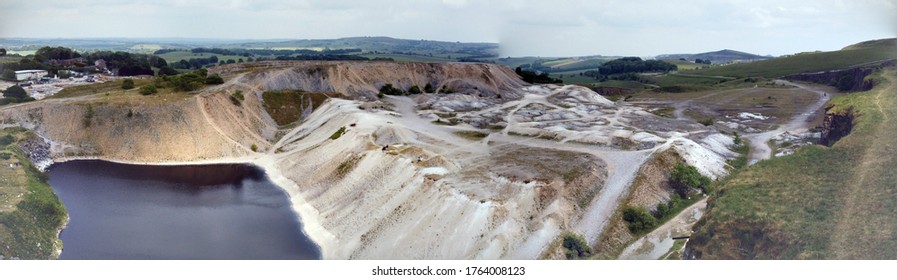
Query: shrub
point(130, 113)
point(5, 155)
point(15, 92)
point(254, 148)
point(127, 84)
point(414, 90)
point(338, 133)
point(638, 219)
point(148, 89)
point(685, 177)
point(6, 140)
point(388, 89)
point(88, 115)
point(428, 88)
point(706, 122)
point(575, 247)
point(214, 79)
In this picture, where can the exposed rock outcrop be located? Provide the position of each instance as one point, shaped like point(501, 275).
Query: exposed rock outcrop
point(836, 125)
point(846, 80)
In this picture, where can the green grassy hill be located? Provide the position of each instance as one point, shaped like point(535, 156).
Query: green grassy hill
point(820, 203)
point(854, 55)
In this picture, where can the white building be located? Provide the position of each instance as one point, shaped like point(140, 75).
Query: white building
point(25, 75)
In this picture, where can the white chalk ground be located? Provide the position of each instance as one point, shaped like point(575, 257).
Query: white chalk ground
point(386, 208)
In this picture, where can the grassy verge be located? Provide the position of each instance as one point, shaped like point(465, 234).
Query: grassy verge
point(29, 229)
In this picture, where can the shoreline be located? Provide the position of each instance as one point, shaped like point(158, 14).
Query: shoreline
point(305, 214)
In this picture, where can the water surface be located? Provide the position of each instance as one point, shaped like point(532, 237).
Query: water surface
point(224, 211)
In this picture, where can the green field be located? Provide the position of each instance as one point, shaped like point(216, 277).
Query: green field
point(581, 65)
point(820, 203)
point(411, 58)
point(855, 55)
point(173, 57)
point(686, 65)
point(680, 79)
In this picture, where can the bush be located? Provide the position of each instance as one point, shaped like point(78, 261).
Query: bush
point(88, 115)
point(638, 219)
point(338, 133)
point(6, 140)
point(414, 90)
point(148, 89)
point(706, 122)
point(127, 84)
point(214, 79)
point(388, 89)
point(428, 88)
point(167, 71)
point(254, 148)
point(130, 113)
point(575, 247)
point(685, 177)
point(5, 155)
point(15, 92)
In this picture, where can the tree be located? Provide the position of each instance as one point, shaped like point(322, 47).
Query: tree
point(214, 79)
point(638, 219)
point(2, 51)
point(429, 88)
point(15, 92)
point(576, 247)
point(167, 71)
point(158, 62)
point(47, 53)
point(414, 90)
point(388, 89)
point(240, 60)
point(8, 74)
point(183, 64)
point(127, 84)
point(231, 61)
point(686, 176)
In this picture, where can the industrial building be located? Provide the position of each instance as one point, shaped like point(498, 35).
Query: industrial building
point(26, 75)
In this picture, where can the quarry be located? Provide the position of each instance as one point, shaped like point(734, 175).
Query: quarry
point(514, 167)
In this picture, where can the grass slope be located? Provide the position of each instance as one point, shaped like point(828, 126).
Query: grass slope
point(285, 106)
point(30, 213)
point(820, 203)
point(854, 55)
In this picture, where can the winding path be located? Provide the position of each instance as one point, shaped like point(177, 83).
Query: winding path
point(800, 122)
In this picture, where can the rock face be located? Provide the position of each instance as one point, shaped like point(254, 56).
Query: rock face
point(846, 80)
point(362, 80)
point(835, 126)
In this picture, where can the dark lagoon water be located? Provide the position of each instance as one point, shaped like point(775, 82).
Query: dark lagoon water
point(224, 211)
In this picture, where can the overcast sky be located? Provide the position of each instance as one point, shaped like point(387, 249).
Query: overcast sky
point(525, 27)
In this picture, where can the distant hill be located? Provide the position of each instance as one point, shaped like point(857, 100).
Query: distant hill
point(381, 44)
point(892, 42)
point(448, 51)
point(722, 56)
point(864, 53)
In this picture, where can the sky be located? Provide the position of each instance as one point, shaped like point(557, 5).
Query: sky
point(522, 27)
